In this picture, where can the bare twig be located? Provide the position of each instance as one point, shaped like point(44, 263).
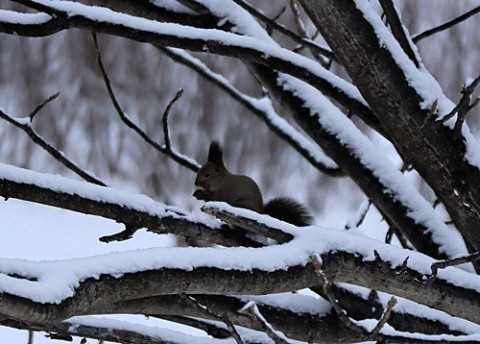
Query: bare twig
point(42, 104)
point(30, 336)
point(251, 310)
point(385, 317)
point(463, 106)
point(282, 29)
point(280, 13)
point(327, 290)
point(359, 216)
point(445, 26)
point(253, 105)
point(223, 318)
point(180, 159)
point(325, 61)
point(126, 234)
point(209, 327)
point(397, 29)
point(168, 145)
point(431, 112)
point(60, 157)
point(277, 16)
point(452, 262)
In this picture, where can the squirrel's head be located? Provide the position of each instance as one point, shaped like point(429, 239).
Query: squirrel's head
point(211, 174)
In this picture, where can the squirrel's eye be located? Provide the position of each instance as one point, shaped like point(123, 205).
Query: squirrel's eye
point(207, 175)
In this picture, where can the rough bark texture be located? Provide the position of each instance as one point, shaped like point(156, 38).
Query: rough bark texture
point(347, 159)
point(393, 109)
point(432, 148)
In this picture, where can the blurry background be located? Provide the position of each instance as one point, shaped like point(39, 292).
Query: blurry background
point(84, 125)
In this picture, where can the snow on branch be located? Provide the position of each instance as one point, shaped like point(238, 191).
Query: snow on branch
point(403, 101)
point(26, 126)
point(134, 211)
point(102, 20)
point(52, 291)
point(263, 109)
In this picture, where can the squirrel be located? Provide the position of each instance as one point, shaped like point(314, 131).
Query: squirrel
point(218, 184)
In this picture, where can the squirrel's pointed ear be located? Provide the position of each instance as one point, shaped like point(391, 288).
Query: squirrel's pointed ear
point(215, 153)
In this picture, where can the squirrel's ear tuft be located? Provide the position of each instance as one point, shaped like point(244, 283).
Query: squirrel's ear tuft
point(215, 153)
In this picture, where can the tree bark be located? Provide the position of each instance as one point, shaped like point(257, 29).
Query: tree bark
point(433, 149)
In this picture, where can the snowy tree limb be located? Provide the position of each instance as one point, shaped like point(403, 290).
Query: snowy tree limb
point(130, 214)
point(261, 110)
point(432, 148)
point(83, 18)
point(337, 266)
point(346, 156)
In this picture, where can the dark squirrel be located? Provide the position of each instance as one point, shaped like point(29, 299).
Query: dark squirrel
point(218, 184)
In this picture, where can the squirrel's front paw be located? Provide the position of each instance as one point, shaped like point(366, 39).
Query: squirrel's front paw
point(201, 195)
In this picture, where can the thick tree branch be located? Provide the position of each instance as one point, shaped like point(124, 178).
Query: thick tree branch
point(339, 266)
point(136, 211)
point(431, 146)
point(258, 107)
point(223, 43)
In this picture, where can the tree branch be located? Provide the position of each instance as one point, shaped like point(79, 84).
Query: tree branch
point(258, 107)
point(223, 43)
point(37, 139)
point(445, 26)
point(398, 30)
point(165, 149)
point(397, 102)
point(135, 211)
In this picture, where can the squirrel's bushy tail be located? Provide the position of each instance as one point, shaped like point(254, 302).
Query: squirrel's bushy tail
point(289, 210)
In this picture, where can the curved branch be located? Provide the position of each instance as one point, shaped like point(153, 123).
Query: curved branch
point(213, 41)
point(445, 26)
point(133, 290)
point(261, 110)
point(165, 149)
point(135, 211)
point(37, 139)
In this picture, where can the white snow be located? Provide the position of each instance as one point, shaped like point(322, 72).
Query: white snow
point(13, 17)
point(421, 211)
point(424, 83)
point(207, 35)
point(87, 190)
point(58, 279)
point(58, 274)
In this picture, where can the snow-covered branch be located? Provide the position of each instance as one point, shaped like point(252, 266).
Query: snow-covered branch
point(134, 211)
point(402, 95)
point(309, 284)
point(102, 20)
point(52, 291)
